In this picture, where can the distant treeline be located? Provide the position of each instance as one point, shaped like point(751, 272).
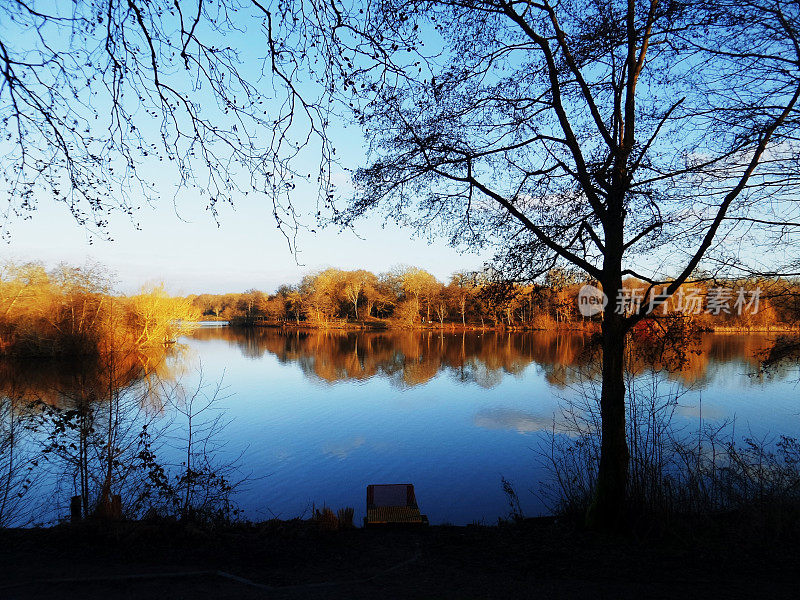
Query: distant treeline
point(73, 311)
point(412, 297)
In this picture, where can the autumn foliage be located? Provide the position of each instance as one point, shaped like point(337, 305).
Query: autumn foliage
point(411, 297)
point(73, 311)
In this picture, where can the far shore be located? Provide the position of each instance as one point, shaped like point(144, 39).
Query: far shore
point(388, 324)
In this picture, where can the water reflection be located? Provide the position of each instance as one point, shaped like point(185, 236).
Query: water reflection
point(410, 358)
point(60, 382)
point(516, 420)
point(105, 430)
point(81, 428)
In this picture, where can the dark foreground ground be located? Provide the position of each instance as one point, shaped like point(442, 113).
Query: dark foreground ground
point(534, 559)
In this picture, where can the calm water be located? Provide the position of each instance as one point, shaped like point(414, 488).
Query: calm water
point(317, 416)
point(321, 415)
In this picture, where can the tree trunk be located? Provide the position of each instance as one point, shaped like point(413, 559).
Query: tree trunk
point(608, 506)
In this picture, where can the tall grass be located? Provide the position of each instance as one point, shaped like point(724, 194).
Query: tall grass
point(703, 473)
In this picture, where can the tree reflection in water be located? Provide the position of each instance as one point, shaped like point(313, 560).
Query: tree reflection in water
point(118, 424)
point(102, 428)
point(411, 358)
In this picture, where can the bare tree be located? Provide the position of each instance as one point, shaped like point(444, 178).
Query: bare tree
point(646, 138)
point(640, 138)
point(207, 476)
point(97, 96)
point(18, 463)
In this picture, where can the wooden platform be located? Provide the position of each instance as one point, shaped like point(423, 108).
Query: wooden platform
point(392, 504)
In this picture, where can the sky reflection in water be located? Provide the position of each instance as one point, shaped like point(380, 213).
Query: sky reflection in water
point(322, 415)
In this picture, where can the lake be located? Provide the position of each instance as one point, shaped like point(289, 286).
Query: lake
point(313, 417)
point(320, 415)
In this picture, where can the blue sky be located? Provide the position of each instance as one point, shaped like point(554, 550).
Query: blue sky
point(180, 244)
point(187, 251)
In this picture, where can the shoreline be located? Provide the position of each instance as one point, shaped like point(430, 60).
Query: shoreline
point(775, 329)
point(540, 557)
point(386, 325)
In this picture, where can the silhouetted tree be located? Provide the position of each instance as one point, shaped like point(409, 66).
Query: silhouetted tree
point(587, 134)
point(96, 94)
